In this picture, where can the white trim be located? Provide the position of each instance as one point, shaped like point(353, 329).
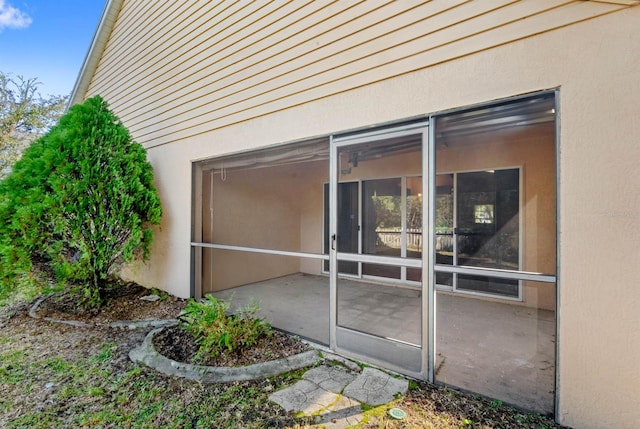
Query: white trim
point(403, 225)
point(196, 231)
point(497, 273)
point(381, 260)
point(557, 385)
point(390, 281)
point(334, 178)
point(428, 251)
point(94, 53)
point(360, 275)
point(360, 228)
point(419, 368)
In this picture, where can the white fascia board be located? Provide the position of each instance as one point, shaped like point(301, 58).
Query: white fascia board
point(98, 43)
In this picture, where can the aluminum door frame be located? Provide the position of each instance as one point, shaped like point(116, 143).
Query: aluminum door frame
point(407, 359)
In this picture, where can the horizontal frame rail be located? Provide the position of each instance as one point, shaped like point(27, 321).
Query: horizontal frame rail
point(495, 272)
point(355, 138)
point(393, 261)
point(260, 250)
point(382, 260)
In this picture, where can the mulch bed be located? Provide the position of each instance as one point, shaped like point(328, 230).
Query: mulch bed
point(122, 302)
point(177, 344)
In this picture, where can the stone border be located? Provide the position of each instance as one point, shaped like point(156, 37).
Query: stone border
point(148, 355)
point(130, 324)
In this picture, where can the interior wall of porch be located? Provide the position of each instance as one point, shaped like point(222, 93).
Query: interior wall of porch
point(277, 207)
point(405, 164)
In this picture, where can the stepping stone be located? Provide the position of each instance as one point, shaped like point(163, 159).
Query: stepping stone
point(331, 378)
point(333, 410)
point(374, 387)
point(319, 393)
point(343, 414)
point(305, 397)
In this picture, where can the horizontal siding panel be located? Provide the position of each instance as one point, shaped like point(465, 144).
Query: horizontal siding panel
point(190, 65)
point(133, 27)
point(219, 47)
point(197, 78)
point(363, 56)
point(339, 55)
point(416, 62)
point(159, 35)
point(337, 47)
point(134, 45)
point(134, 23)
point(620, 2)
point(181, 43)
point(189, 46)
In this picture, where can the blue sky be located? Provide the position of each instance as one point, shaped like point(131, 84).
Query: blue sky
point(47, 39)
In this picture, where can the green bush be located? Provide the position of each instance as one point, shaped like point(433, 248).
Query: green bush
point(79, 203)
point(215, 331)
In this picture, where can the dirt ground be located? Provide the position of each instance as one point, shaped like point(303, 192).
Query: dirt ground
point(126, 303)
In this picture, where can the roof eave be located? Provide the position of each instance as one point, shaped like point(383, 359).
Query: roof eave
point(98, 43)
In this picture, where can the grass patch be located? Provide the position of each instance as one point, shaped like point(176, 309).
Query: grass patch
point(13, 367)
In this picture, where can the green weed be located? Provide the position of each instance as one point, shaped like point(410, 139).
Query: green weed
point(215, 331)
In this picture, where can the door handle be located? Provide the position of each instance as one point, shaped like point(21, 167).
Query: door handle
point(333, 242)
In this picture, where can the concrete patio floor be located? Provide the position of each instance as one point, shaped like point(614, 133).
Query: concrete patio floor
point(501, 350)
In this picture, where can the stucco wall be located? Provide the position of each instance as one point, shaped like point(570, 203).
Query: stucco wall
point(596, 65)
point(253, 208)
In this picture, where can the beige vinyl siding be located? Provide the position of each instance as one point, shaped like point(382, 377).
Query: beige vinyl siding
point(178, 69)
point(191, 41)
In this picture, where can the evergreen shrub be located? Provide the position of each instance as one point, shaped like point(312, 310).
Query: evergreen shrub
point(80, 203)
